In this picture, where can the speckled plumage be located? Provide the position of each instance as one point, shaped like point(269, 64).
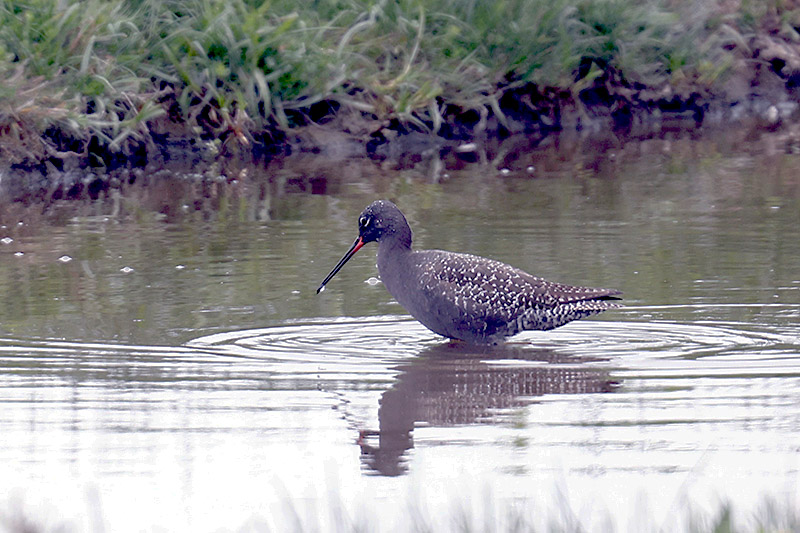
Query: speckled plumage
point(464, 296)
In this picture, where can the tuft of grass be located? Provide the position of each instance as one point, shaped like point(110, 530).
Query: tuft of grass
point(71, 69)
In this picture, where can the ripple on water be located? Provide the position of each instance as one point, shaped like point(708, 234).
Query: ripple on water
point(654, 346)
point(363, 339)
point(386, 338)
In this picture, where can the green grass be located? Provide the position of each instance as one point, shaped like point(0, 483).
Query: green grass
point(120, 71)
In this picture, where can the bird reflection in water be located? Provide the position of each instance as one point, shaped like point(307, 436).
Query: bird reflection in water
point(455, 384)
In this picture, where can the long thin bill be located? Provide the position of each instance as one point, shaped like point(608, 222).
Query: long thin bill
point(350, 253)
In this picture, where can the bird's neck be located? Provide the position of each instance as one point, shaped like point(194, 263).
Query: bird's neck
point(393, 265)
point(393, 252)
point(396, 246)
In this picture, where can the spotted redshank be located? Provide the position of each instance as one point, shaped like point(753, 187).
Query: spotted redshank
point(463, 296)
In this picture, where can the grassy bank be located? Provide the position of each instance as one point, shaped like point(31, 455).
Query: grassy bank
point(101, 81)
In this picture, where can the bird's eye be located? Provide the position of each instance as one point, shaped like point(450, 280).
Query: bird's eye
point(364, 221)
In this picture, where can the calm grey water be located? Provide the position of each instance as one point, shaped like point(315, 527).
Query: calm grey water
point(166, 365)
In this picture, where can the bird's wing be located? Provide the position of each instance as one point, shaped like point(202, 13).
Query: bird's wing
point(494, 290)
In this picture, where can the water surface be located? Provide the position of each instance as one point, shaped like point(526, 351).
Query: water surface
point(165, 362)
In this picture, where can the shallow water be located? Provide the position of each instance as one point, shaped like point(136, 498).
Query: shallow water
point(165, 363)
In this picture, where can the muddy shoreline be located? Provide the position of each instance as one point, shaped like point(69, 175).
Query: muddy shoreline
point(763, 94)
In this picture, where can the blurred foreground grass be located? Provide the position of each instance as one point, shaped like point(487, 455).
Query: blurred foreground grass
point(461, 515)
point(118, 73)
